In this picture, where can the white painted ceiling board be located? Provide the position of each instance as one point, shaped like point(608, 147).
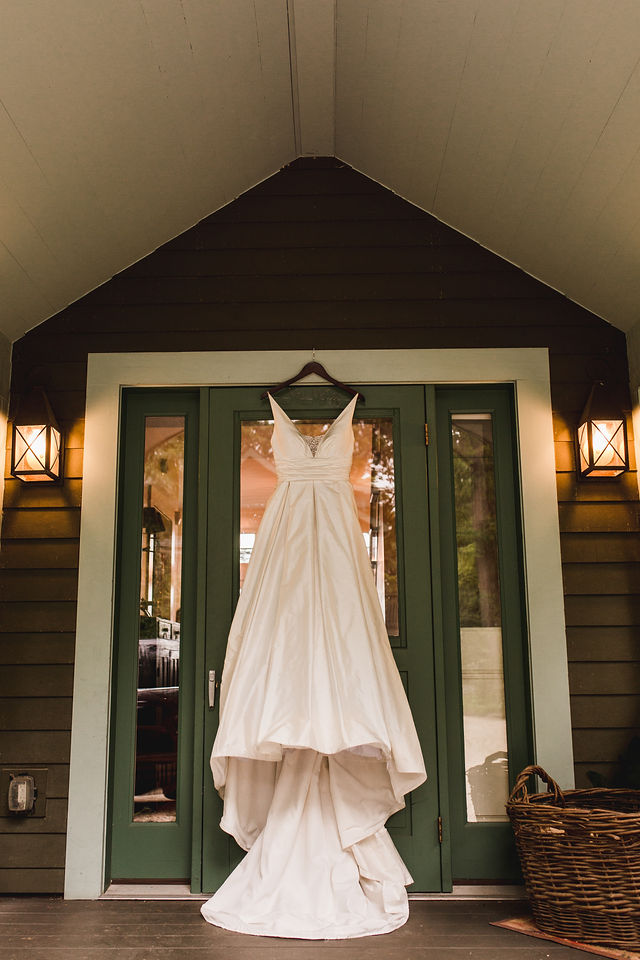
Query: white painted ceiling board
point(480, 153)
point(396, 86)
point(548, 236)
point(542, 127)
point(19, 296)
point(614, 289)
point(559, 84)
point(371, 121)
point(351, 48)
point(123, 124)
point(127, 123)
point(613, 60)
point(313, 47)
point(432, 49)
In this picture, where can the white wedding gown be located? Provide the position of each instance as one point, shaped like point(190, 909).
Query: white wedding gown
point(316, 746)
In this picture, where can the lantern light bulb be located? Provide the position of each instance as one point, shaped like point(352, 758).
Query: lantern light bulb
point(604, 451)
point(36, 439)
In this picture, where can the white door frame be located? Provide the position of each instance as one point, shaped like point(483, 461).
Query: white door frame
point(108, 374)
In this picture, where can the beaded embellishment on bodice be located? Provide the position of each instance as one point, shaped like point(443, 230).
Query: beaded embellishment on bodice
point(312, 442)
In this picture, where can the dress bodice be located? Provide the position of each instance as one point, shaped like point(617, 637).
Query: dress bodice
point(301, 458)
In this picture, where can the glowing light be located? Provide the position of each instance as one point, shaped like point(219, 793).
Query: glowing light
point(36, 452)
point(602, 439)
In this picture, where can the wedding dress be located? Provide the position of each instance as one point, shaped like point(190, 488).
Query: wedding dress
point(316, 745)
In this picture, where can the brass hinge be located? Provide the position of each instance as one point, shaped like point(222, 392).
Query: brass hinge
point(426, 434)
point(440, 829)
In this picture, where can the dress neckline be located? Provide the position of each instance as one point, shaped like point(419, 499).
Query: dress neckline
point(320, 436)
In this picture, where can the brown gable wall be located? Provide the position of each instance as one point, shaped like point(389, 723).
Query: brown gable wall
point(316, 256)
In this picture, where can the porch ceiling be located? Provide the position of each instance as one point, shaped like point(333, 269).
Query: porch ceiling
point(122, 124)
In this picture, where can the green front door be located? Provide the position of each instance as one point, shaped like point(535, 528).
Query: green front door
point(442, 530)
point(389, 477)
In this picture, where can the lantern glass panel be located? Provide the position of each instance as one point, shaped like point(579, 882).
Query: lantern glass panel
point(55, 452)
point(31, 447)
point(30, 457)
point(608, 442)
point(583, 444)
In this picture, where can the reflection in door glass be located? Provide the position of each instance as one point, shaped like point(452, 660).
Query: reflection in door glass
point(159, 641)
point(372, 476)
point(483, 700)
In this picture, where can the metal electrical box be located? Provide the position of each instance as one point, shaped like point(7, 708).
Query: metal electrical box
point(23, 791)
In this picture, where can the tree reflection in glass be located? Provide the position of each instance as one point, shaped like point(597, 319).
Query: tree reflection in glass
point(479, 613)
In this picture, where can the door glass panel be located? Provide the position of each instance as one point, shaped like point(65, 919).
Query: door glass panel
point(483, 699)
point(372, 476)
point(159, 637)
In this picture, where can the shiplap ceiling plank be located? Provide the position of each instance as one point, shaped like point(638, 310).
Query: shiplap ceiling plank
point(541, 108)
point(481, 145)
point(312, 29)
point(363, 115)
point(123, 124)
point(559, 86)
point(19, 296)
point(129, 123)
point(598, 95)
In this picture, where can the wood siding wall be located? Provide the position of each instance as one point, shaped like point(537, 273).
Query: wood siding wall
point(316, 256)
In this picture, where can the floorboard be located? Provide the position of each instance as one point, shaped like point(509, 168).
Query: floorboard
point(50, 928)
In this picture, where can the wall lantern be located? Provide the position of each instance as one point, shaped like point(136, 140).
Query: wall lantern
point(603, 451)
point(36, 446)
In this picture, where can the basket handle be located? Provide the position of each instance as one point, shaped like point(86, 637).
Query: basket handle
point(520, 792)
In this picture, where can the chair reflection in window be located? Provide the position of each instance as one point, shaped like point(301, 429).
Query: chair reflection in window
point(158, 674)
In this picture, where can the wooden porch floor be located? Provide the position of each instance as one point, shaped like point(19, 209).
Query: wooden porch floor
point(49, 928)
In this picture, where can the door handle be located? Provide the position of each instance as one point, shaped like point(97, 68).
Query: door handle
point(212, 689)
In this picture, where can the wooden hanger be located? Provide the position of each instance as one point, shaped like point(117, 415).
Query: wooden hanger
point(312, 367)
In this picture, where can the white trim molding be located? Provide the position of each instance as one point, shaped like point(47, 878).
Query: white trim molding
point(108, 374)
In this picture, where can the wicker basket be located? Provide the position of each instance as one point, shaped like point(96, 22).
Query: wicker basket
point(580, 857)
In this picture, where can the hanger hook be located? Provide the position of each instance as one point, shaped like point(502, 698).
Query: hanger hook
point(313, 353)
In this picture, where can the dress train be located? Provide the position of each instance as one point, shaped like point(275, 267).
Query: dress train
point(298, 880)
